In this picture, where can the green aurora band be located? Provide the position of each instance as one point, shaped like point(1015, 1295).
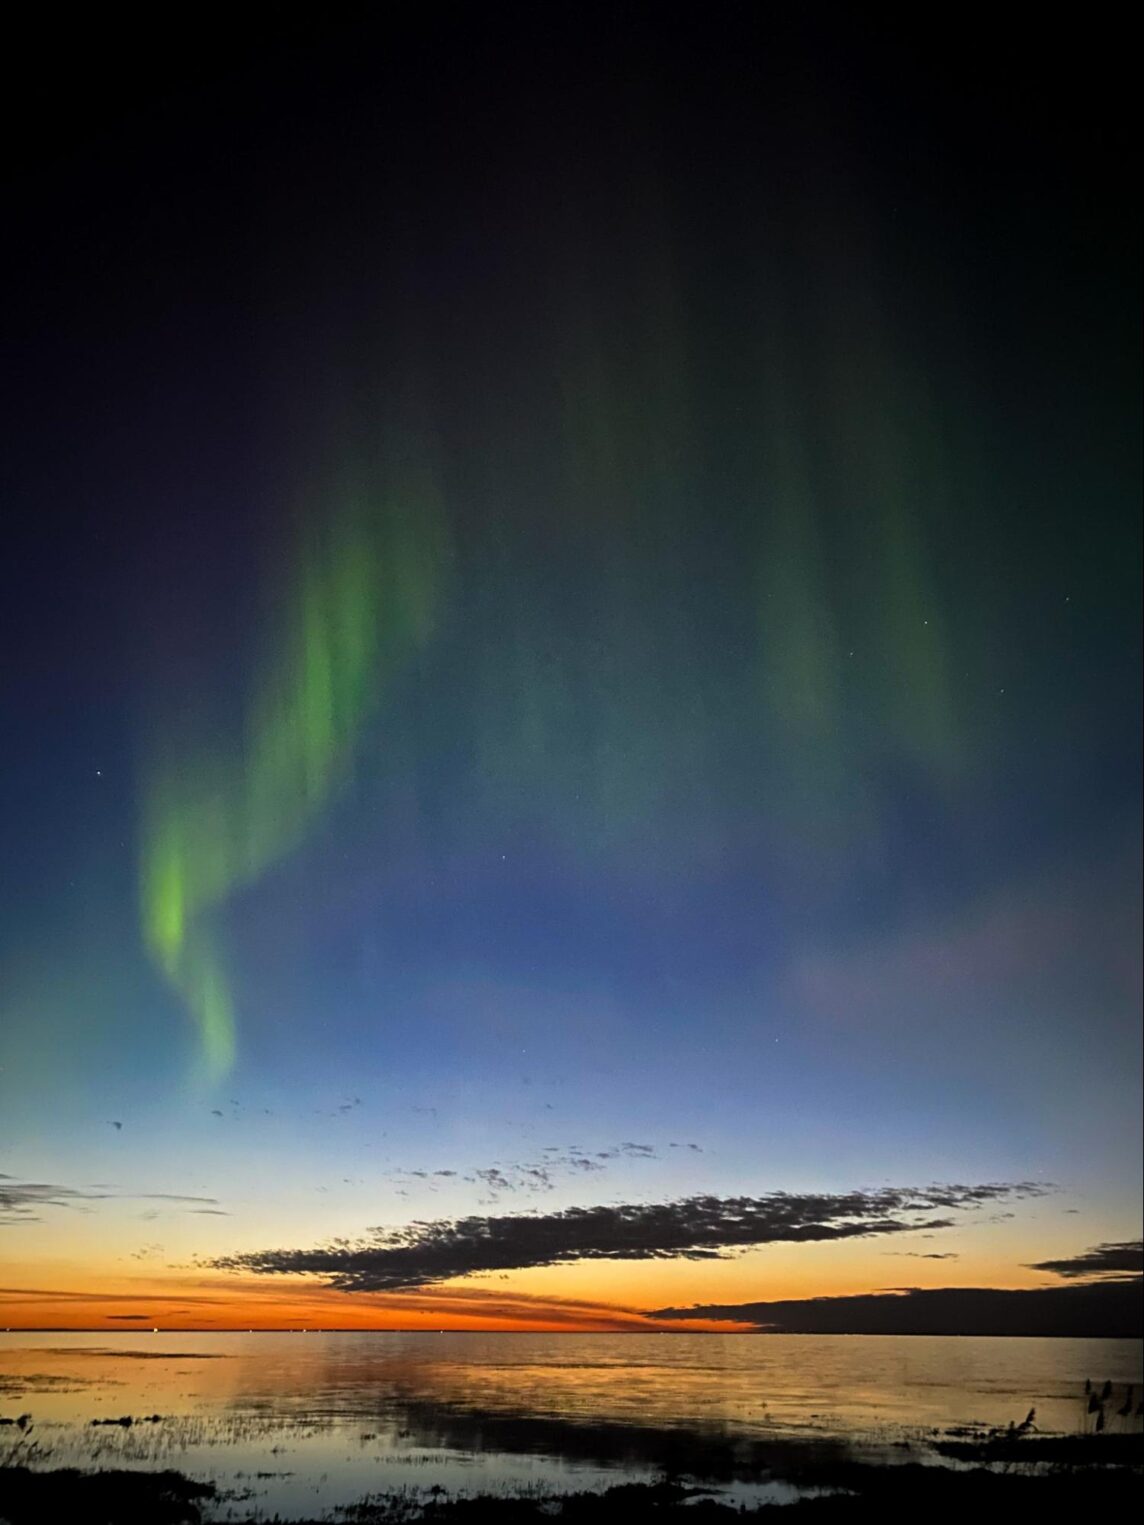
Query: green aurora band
point(364, 596)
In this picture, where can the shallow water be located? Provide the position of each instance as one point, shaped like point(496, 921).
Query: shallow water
point(305, 1422)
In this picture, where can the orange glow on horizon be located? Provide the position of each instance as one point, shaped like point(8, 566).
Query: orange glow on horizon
point(106, 1290)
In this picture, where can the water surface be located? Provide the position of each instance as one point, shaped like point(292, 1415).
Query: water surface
point(304, 1422)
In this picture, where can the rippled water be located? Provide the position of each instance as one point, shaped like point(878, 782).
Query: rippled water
point(309, 1421)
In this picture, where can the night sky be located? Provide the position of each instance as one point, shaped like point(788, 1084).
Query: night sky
point(571, 688)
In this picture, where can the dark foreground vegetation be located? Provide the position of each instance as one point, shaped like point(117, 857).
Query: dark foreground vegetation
point(1054, 1476)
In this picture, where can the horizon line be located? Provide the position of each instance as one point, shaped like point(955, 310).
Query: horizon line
point(843, 1334)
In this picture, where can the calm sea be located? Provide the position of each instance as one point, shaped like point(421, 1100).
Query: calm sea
point(296, 1423)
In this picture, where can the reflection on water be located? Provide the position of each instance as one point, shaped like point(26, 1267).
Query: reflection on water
point(306, 1422)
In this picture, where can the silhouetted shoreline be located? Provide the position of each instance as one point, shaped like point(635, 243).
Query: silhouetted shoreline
point(989, 1473)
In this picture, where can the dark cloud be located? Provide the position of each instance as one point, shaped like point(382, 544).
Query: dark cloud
point(493, 1178)
point(164, 1196)
point(923, 1254)
point(482, 1304)
point(20, 1200)
point(58, 1294)
point(348, 1104)
point(696, 1228)
point(148, 1252)
point(1123, 1259)
point(536, 1176)
point(1096, 1310)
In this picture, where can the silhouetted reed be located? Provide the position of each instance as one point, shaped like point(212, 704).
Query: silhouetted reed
point(1096, 1417)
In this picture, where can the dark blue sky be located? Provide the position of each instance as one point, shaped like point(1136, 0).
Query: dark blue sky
point(605, 570)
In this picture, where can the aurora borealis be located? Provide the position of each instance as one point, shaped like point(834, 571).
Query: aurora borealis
point(361, 603)
point(573, 658)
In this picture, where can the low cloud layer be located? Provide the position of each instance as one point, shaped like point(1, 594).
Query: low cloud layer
point(923, 1254)
point(1123, 1259)
point(556, 1164)
point(1094, 1310)
point(21, 1201)
point(696, 1228)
